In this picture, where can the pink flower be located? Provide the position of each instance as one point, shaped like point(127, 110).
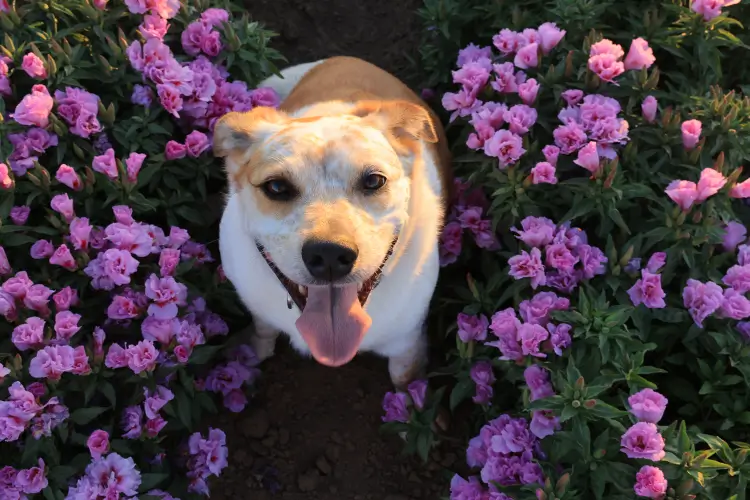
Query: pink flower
point(506, 42)
point(193, 37)
point(543, 173)
point(115, 474)
point(123, 214)
point(450, 243)
point(535, 231)
point(544, 423)
point(264, 96)
point(506, 78)
point(418, 392)
point(711, 9)
point(170, 98)
point(79, 109)
point(560, 257)
point(710, 183)
point(196, 143)
point(80, 361)
point(520, 118)
point(643, 441)
point(702, 299)
point(550, 36)
point(528, 266)
point(528, 91)
point(175, 151)
point(6, 182)
point(649, 108)
point(506, 146)
point(650, 481)
point(98, 443)
point(66, 175)
point(648, 291)
point(537, 378)
point(656, 262)
point(684, 193)
point(106, 164)
point(5, 267)
point(648, 405)
point(167, 294)
point(33, 480)
point(52, 361)
point(153, 26)
point(17, 285)
point(133, 164)
point(461, 103)
point(34, 108)
point(606, 46)
point(65, 298)
point(214, 16)
point(164, 8)
point(154, 426)
point(483, 377)
point(472, 53)
point(569, 137)
point(66, 325)
point(691, 133)
point(640, 55)
point(80, 233)
point(141, 356)
point(551, 153)
point(472, 327)
point(122, 308)
point(156, 401)
point(735, 305)
point(473, 76)
point(537, 310)
point(572, 96)
point(531, 337)
point(8, 307)
point(34, 66)
point(37, 298)
point(738, 277)
point(119, 265)
point(117, 357)
point(132, 422)
point(29, 335)
point(41, 249)
point(734, 234)
point(63, 258)
point(62, 204)
point(606, 67)
point(527, 57)
point(741, 190)
point(588, 158)
point(100, 4)
point(137, 6)
point(168, 261)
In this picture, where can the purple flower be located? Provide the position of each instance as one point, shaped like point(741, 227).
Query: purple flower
point(483, 376)
point(156, 400)
point(735, 305)
point(29, 335)
point(528, 265)
point(531, 337)
point(734, 234)
point(537, 378)
point(738, 277)
point(19, 215)
point(79, 109)
point(461, 489)
point(472, 327)
point(505, 326)
point(167, 295)
point(229, 377)
point(744, 328)
point(132, 419)
point(52, 361)
point(395, 407)
point(111, 473)
point(559, 337)
point(418, 392)
point(656, 262)
point(592, 259)
point(544, 423)
point(702, 299)
point(235, 401)
point(560, 257)
point(66, 325)
point(118, 265)
point(648, 291)
point(511, 435)
point(643, 440)
point(648, 405)
point(32, 480)
point(506, 146)
point(650, 482)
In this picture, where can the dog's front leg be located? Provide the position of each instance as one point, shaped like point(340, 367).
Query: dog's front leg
point(263, 338)
point(410, 364)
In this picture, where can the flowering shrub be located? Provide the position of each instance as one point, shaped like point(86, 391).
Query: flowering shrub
point(596, 251)
point(115, 317)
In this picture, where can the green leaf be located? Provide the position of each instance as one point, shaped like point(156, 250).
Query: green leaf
point(83, 416)
point(461, 391)
point(568, 413)
point(108, 390)
point(151, 481)
point(424, 443)
point(183, 409)
point(604, 410)
point(203, 354)
point(718, 445)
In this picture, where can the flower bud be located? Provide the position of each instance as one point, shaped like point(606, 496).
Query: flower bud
point(562, 484)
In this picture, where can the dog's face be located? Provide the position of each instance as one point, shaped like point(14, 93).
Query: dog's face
point(324, 197)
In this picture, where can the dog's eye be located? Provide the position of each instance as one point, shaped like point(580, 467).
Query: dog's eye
point(279, 190)
point(373, 182)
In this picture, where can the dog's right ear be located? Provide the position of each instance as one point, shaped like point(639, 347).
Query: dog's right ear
point(237, 132)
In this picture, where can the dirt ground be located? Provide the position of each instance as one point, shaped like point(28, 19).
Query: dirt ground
point(313, 432)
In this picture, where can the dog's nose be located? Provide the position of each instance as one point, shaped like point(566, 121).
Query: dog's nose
point(328, 260)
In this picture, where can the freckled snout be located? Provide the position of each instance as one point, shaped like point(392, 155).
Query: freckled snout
point(329, 260)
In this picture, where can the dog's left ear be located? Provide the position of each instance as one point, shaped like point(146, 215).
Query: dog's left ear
point(240, 131)
point(402, 119)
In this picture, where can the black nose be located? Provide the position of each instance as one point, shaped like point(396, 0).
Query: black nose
point(329, 261)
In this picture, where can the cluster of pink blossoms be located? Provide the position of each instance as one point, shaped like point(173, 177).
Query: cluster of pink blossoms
point(16, 484)
point(686, 194)
point(208, 457)
point(711, 9)
point(647, 290)
point(198, 91)
point(24, 410)
point(110, 476)
point(643, 441)
point(568, 258)
point(606, 58)
point(153, 402)
point(468, 213)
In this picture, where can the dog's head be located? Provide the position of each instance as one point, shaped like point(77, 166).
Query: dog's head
point(324, 197)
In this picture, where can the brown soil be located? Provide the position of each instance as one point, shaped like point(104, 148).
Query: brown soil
point(313, 432)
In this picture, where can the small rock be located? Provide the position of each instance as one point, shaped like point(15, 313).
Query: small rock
point(333, 453)
point(283, 436)
point(308, 481)
point(333, 489)
point(269, 442)
point(336, 438)
point(256, 424)
point(323, 466)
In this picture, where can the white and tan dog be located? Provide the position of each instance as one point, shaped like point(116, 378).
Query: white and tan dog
point(336, 200)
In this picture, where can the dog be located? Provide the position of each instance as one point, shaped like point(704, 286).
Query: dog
point(335, 205)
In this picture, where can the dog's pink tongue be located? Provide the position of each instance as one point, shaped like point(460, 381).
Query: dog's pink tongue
point(333, 323)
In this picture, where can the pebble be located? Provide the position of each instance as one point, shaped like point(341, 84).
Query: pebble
point(333, 453)
point(308, 481)
point(283, 436)
point(256, 424)
point(323, 466)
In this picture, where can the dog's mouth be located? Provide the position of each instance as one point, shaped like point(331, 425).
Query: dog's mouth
point(297, 294)
point(332, 319)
